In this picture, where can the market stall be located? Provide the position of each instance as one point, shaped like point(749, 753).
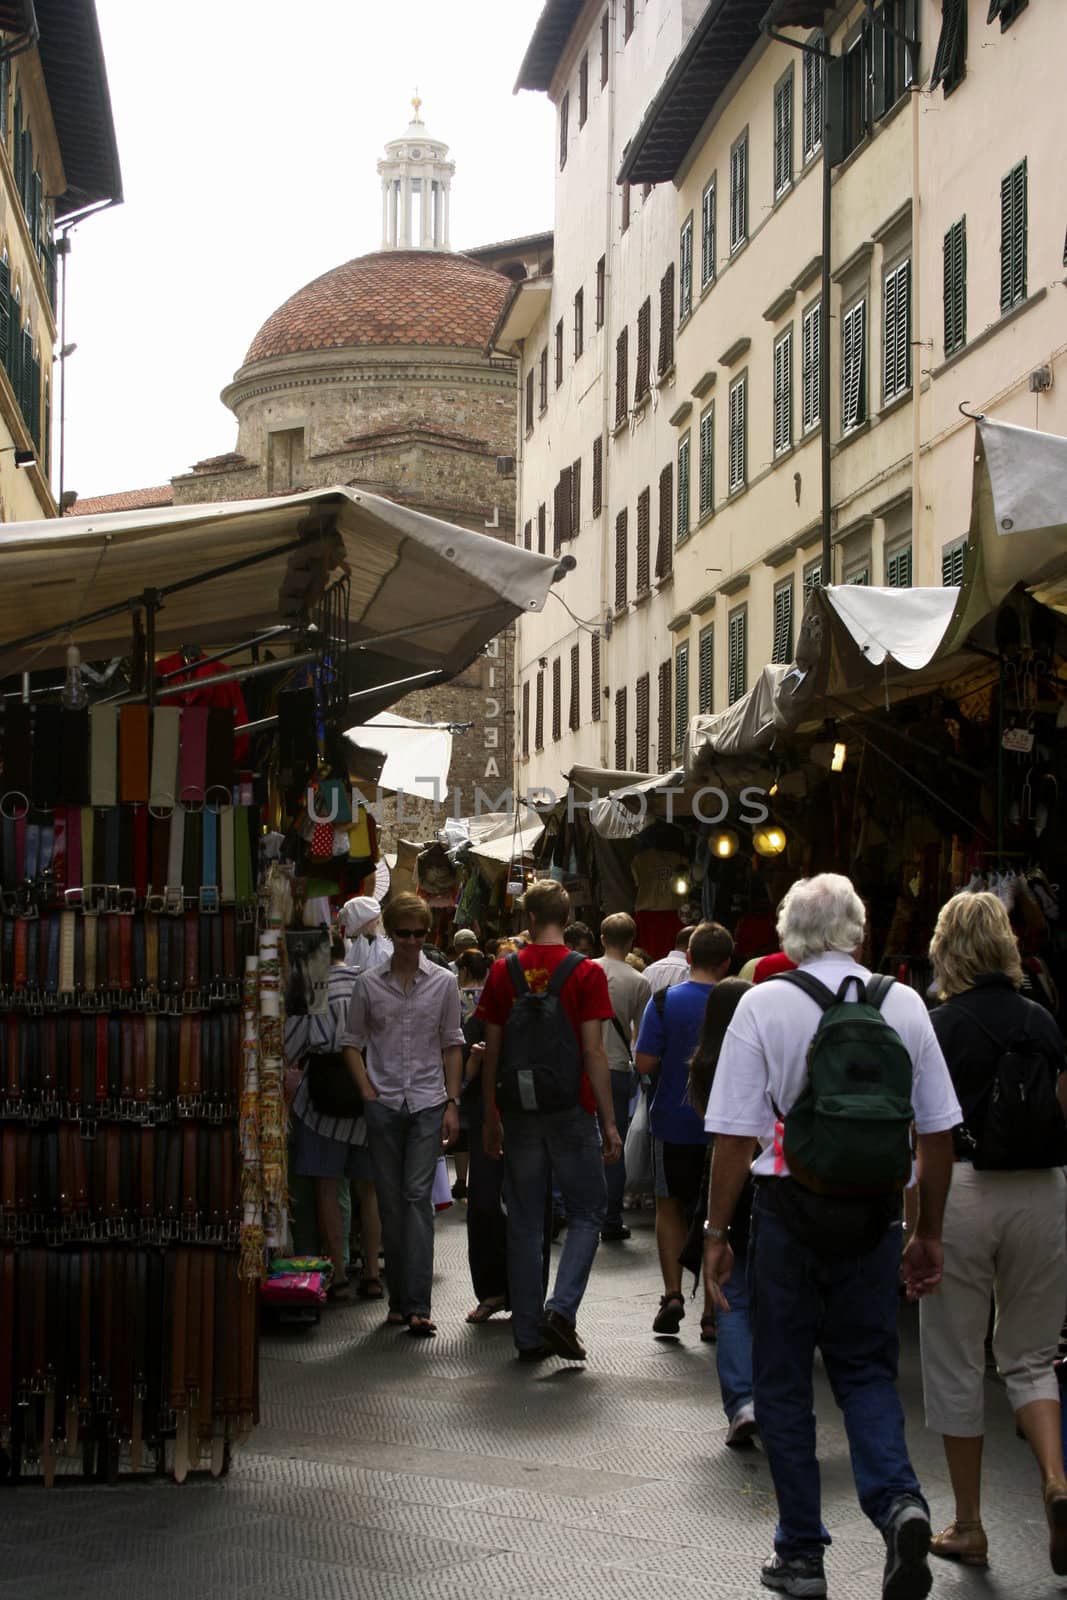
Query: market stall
point(142, 974)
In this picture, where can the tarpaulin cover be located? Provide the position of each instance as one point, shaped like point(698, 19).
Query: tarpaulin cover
point(417, 754)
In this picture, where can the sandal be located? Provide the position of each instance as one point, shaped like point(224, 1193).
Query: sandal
point(421, 1327)
point(488, 1308)
point(340, 1294)
point(370, 1289)
point(397, 1319)
point(670, 1314)
point(708, 1331)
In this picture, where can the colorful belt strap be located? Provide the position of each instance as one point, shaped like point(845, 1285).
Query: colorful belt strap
point(103, 754)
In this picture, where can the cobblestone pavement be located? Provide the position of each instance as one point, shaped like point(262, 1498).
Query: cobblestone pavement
point(393, 1469)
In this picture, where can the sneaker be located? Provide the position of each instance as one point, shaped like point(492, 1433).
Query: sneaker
point(614, 1231)
point(907, 1540)
point(803, 1576)
point(742, 1429)
point(561, 1336)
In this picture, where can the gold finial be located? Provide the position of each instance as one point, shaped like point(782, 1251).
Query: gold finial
point(416, 105)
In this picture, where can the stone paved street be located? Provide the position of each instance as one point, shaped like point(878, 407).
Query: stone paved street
point(391, 1469)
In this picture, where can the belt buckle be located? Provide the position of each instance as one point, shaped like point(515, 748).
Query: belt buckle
point(209, 898)
point(94, 898)
point(245, 910)
point(87, 1127)
point(174, 900)
point(73, 899)
point(193, 1000)
point(155, 902)
point(28, 907)
point(126, 902)
point(9, 902)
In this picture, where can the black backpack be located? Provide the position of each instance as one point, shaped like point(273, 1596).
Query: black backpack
point(1015, 1124)
point(541, 1059)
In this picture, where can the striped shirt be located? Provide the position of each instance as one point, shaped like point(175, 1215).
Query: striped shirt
point(403, 1037)
point(321, 1035)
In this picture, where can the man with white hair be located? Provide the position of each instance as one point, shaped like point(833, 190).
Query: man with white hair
point(824, 1259)
point(360, 921)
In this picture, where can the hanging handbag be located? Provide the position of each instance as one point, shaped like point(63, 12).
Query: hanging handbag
point(331, 1087)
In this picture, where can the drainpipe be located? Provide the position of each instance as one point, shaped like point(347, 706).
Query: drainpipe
point(606, 593)
point(823, 53)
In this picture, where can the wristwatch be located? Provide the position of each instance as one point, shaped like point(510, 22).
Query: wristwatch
point(453, 1100)
point(720, 1235)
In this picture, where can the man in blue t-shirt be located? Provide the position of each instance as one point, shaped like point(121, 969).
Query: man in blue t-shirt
point(669, 1034)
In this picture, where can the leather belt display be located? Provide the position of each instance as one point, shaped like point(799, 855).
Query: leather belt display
point(133, 754)
point(103, 755)
point(192, 759)
point(163, 784)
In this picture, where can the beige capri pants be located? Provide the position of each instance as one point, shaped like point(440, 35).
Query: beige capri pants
point(1005, 1237)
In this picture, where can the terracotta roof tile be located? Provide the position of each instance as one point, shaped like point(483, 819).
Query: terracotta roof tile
point(395, 297)
point(126, 500)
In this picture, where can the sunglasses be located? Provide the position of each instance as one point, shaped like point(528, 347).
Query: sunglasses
point(409, 933)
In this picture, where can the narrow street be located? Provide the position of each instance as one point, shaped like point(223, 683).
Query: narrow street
point(393, 1469)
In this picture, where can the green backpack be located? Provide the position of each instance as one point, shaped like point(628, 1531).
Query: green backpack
point(849, 1130)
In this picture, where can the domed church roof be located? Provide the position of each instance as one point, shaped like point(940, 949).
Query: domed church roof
point(394, 297)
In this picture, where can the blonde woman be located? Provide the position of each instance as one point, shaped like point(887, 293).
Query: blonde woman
point(1004, 1233)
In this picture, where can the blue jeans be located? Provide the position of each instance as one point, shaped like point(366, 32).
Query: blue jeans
point(733, 1350)
point(404, 1147)
point(848, 1309)
point(539, 1146)
point(615, 1175)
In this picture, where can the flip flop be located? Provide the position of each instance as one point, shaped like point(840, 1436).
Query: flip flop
point(397, 1319)
point(487, 1308)
point(370, 1289)
point(421, 1328)
point(340, 1294)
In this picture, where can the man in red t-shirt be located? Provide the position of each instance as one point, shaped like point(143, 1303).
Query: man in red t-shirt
point(542, 1146)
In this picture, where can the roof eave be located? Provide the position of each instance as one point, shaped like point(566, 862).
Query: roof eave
point(545, 50)
point(72, 60)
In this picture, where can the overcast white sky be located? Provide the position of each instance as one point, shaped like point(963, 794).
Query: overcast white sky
point(248, 133)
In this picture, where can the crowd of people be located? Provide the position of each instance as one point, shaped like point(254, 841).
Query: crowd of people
point(819, 1142)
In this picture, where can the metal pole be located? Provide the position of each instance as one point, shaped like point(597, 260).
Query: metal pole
point(152, 603)
point(424, 680)
point(63, 251)
point(824, 333)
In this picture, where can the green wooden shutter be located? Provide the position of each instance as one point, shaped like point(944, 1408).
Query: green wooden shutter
point(26, 376)
point(5, 315)
point(898, 569)
point(955, 286)
point(34, 418)
point(705, 664)
point(1013, 237)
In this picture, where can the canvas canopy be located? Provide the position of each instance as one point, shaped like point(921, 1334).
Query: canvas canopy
point(426, 596)
point(858, 645)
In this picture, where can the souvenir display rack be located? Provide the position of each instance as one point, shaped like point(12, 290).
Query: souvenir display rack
point(135, 1154)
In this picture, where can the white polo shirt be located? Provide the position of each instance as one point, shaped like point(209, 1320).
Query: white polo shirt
point(764, 1059)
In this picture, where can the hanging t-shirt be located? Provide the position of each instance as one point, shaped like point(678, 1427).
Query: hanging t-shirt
point(654, 874)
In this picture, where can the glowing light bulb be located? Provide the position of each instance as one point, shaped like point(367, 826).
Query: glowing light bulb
point(680, 884)
point(837, 761)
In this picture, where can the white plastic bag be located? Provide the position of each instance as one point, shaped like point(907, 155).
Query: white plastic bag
point(638, 1151)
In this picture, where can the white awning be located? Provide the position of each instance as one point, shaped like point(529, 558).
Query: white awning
point(426, 595)
point(417, 755)
point(905, 626)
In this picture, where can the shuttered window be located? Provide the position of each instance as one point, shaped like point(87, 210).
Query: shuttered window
point(896, 312)
point(737, 667)
point(542, 380)
point(594, 676)
point(1006, 10)
point(782, 638)
point(853, 367)
point(812, 578)
point(601, 277)
point(627, 19)
point(705, 669)
point(562, 510)
point(738, 440)
point(681, 695)
point(621, 554)
point(666, 321)
point(812, 109)
point(564, 115)
point(583, 90)
point(598, 476)
point(527, 535)
point(557, 699)
point(898, 568)
point(576, 498)
point(622, 376)
point(666, 515)
point(579, 323)
point(642, 728)
point(811, 409)
point(685, 269)
point(739, 192)
point(574, 716)
point(643, 375)
point(950, 62)
point(620, 730)
point(526, 718)
point(955, 286)
point(783, 392)
point(859, 577)
point(683, 488)
point(5, 313)
point(644, 536)
point(605, 41)
point(625, 207)
point(706, 487)
point(1013, 235)
point(707, 233)
point(529, 402)
point(783, 134)
point(541, 529)
point(539, 713)
point(663, 719)
point(559, 352)
point(953, 560)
